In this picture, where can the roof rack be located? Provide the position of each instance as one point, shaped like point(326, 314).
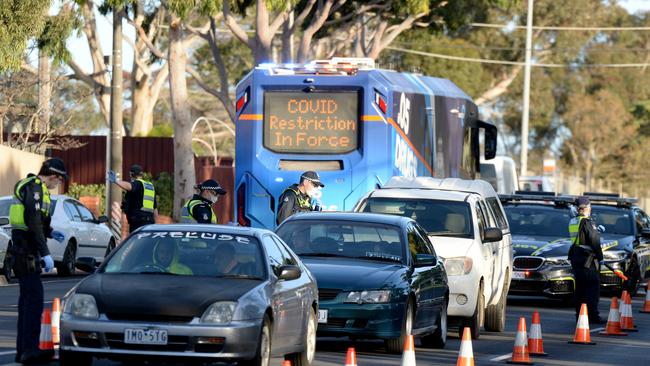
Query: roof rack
point(609, 198)
point(525, 196)
point(602, 194)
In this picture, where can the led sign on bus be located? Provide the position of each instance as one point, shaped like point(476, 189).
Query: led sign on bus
point(317, 122)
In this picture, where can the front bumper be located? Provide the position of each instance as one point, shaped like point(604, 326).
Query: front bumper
point(463, 294)
point(553, 282)
point(381, 321)
point(105, 339)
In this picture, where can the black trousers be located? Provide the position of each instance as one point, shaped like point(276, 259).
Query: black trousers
point(587, 289)
point(30, 308)
point(139, 221)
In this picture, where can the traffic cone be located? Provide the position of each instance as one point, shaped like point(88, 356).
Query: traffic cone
point(466, 354)
point(286, 363)
point(45, 340)
point(535, 343)
point(56, 320)
point(351, 358)
point(627, 323)
point(520, 354)
point(408, 357)
point(646, 304)
point(613, 321)
point(582, 335)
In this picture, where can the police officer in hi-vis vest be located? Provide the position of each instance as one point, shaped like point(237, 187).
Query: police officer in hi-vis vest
point(29, 216)
point(139, 203)
point(298, 197)
point(585, 256)
point(199, 208)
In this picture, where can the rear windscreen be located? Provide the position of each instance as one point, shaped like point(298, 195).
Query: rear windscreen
point(316, 122)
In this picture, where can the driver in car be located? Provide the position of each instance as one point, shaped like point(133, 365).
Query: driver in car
point(225, 261)
point(165, 256)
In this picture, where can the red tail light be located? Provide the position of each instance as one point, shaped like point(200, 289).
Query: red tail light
point(381, 103)
point(241, 102)
point(241, 206)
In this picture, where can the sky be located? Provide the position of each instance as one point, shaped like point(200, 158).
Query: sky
point(80, 52)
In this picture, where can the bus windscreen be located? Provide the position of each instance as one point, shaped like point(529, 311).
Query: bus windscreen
point(315, 122)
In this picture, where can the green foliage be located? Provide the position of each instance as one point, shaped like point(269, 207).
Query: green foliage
point(164, 186)
point(20, 21)
point(92, 190)
point(57, 30)
point(161, 130)
point(182, 8)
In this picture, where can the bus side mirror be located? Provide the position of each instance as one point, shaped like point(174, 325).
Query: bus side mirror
point(490, 141)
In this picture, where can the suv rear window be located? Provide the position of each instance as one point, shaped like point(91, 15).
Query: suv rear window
point(538, 220)
point(437, 217)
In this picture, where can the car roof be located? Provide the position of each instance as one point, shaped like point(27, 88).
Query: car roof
point(352, 216)
point(476, 186)
point(433, 194)
point(53, 196)
point(211, 228)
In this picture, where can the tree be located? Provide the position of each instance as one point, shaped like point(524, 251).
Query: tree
point(20, 21)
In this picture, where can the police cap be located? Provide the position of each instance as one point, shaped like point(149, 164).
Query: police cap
point(211, 185)
point(312, 177)
point(583, 202)
point(136, 169)
point(55, 166)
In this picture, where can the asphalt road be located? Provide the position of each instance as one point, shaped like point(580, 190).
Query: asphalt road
point(558, 327)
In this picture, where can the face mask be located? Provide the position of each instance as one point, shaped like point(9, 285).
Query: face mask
point(214, 198)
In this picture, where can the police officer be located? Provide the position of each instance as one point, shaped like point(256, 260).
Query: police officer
point(29, 216)
point(199, 208)
point(298, 197)
point(585, 256)
point(139, 203)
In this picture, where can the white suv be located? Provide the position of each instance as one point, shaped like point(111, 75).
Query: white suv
point(468, 228)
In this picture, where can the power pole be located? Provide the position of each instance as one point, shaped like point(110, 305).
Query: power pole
point(114, 143)
point(525, 112)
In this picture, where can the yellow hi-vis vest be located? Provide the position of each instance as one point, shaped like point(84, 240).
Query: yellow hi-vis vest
point(304, 204)
point(574, 231)
point(147, 196)
point(186, 212)
point(17, 209)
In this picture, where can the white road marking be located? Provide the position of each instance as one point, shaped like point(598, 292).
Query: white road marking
point(501, 358)
point(596, 330)
point(7, 353)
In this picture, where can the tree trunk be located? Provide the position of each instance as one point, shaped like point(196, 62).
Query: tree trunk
point(44, 93)
point(140, 109)
point(184, 174)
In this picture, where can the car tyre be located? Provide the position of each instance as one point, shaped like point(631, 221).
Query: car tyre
point(306, 357)
point(439, 338)
point(495, 315)
point(7, 266)
point(109, 248)
point(396, 345)
point(68, 358)
point(263, 355)
point(67, 265)
point(474, 323)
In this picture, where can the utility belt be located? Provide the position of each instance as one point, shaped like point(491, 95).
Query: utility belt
point(21, 259)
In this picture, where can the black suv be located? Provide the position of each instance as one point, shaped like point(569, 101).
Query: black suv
point(539, 226)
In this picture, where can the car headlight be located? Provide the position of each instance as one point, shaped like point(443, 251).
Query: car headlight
point(457, 266)
point(81, 306)
point(372, 297)
point(615, 255)
point(558, 261)
point(219, 313)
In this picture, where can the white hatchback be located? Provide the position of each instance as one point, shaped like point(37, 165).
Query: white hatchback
point(85, 235)
point(468, 228)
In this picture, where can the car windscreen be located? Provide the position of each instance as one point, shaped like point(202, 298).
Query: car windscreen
point(437, 217)
point(189, 253)
point(618, 221)
point(343, 239)
point(538, 220)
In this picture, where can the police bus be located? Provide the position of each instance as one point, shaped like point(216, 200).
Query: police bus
point(355, 125)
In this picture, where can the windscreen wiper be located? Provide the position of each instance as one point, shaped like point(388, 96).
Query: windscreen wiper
point(159, 273)
point(249, 277)
point(318, 255)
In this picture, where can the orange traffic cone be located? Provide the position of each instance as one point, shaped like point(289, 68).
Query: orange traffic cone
point(520, 354)
point(286, 363)
point(582, 335)
point(535, 343)
point(613, 321)
point(408, 357)
point(56, 320)
point(646, 304)
point(351, 358)
point(466, 354)
point(627, 323)
point(45, 340)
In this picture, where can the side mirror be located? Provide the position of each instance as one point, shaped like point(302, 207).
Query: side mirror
point(102, 219)
point(425, 260)
point(490, 141)
point(645, 233)
point(4, 221)
point(492, 234)
point(289, 272)
point(86, 264)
